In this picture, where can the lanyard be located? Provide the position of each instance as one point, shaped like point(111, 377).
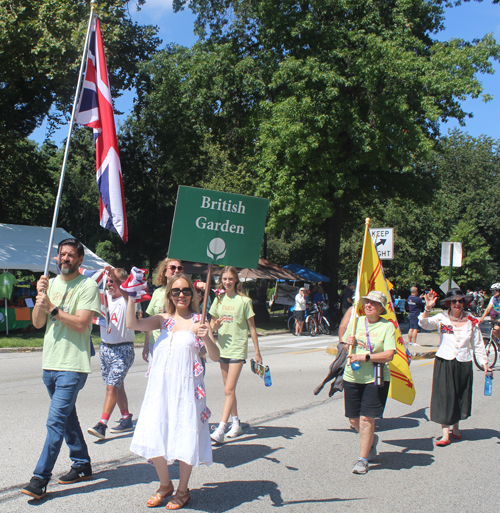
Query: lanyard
point(368, 337)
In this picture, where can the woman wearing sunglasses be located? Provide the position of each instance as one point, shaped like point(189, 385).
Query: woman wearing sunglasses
point(451, 399)
point(233, 317)
point(165, 270)
point(173, 422)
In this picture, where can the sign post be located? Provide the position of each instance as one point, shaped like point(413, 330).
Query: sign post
point(220, 228)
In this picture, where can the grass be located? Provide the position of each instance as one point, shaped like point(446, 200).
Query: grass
point(31, 337)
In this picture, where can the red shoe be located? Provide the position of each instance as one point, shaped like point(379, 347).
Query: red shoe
point(456, 437)
point(442, 443)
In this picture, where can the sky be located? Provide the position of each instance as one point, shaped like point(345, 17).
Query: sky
point(469, 21)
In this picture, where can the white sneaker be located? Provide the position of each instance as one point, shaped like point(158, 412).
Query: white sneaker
point(218, 436)
point(234, 431)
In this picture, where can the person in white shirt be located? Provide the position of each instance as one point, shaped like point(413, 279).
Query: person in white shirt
point(300, 310)
point(451, 399)
point(117, 356)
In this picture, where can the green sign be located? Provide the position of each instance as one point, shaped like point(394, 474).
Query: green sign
point(217, 227)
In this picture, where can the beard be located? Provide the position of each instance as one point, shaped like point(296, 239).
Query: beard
point(67, 268)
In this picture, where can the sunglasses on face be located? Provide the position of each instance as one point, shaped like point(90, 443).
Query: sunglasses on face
point(110, 282)
point(173, 268)
point(457, 301)
point(177, 292)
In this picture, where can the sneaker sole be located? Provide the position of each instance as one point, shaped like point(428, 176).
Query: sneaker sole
point(92, 431)
point(31, 494)
point(223, 441)
point(128, 430)
point(239, 433)
point(84, 478)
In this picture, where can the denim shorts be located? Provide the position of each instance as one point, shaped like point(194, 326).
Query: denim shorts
point(414, 326)
point(116, 362)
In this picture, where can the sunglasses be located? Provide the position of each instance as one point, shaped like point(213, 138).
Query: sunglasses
point(457, 301)
point(110, 282)
point(177, 292)
point(173, 268)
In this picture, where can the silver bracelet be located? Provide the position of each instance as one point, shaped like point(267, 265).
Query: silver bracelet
point(428, 311)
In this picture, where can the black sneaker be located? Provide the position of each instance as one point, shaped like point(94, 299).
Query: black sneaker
point(77, 473)
point(37, 487)
point(98, 430)
point(123, 426)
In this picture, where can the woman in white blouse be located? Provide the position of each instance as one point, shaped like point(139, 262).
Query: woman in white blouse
point(300, 310)
point(451, 399)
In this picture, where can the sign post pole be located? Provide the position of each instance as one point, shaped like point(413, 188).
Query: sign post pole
point(451, 266)
point(207, 293)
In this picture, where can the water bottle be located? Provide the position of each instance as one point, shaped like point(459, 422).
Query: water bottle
point(355, 366)
point(488, 385)
point(267, 377)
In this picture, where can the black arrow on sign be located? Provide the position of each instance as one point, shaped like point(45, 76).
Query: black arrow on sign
point(381, 242)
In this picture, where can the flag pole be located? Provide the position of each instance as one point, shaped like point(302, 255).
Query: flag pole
point(93, 5)
point(355, 306)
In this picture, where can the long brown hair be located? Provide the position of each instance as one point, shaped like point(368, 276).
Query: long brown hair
point(194, 304)
point(238, 286)
point(160, 278)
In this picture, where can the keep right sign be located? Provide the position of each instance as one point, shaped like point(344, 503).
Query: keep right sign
point(383, 238)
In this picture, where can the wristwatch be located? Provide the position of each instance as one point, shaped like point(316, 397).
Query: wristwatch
point(367, 357)
point(54, 312)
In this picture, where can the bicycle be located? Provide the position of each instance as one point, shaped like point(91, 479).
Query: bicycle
point(490, 346)
point(316, 322)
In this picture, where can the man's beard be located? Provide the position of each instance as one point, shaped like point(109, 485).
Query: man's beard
point(68, 269)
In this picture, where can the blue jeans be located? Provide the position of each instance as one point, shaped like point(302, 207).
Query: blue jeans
point(62, 422)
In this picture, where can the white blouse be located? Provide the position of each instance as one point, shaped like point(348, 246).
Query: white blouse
point(455, 342)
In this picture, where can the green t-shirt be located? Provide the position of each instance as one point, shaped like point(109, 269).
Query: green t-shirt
point(7, 282)
point(156, 306)
point(65, 349)
point(382, 338)
point(233, 333)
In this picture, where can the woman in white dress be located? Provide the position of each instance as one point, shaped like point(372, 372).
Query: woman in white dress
point(173, 423)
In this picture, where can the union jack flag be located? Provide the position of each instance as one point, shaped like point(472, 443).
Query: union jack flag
point(446, 329)
point(95, 110)
point(197, 368)
point(199, 392)
point(205, 415)
point(100, 278)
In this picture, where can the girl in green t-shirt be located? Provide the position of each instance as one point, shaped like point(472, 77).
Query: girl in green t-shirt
point(233, 317)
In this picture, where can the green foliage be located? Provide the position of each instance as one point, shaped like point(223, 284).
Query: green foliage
point(345, 99)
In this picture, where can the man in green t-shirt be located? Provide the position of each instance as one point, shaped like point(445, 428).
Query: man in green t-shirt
point(65, 306)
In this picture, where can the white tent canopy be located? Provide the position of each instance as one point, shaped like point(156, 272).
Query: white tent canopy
point(25, 247)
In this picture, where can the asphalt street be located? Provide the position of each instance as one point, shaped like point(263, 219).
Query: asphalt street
point(296, 453)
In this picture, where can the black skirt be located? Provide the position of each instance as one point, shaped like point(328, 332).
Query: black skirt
point(451, 399)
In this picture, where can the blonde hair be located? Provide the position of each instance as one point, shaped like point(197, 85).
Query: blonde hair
point(194, 304)
point(160, 278)
point(238, 286)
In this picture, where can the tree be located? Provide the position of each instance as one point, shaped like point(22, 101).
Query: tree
point(346, 98)
point(41, 43)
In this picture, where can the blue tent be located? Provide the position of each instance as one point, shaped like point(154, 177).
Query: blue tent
point(306, 273)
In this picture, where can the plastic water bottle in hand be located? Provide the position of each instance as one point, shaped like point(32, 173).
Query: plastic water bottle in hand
point(267, 377)
point(488, 384)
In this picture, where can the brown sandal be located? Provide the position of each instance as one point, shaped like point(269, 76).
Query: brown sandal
point(161, 493)
point(180, 500)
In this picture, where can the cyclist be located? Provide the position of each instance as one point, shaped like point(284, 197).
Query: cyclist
point(493, 310)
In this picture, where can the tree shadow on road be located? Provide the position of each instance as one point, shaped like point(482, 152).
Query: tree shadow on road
point(225, 496)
